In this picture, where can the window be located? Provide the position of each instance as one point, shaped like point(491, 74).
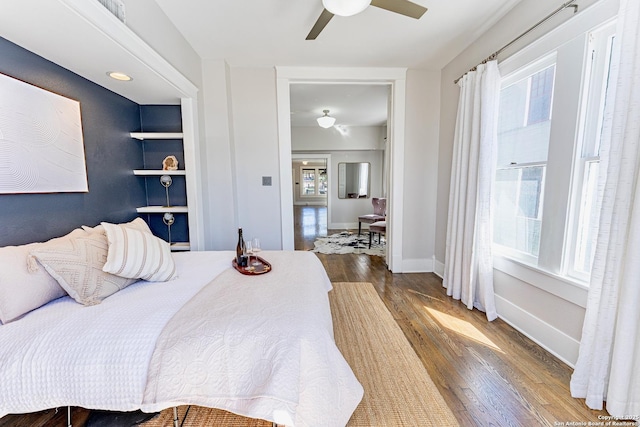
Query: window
point(587, 165)
point(547, 163)
point(314, 181)
point(524, 125)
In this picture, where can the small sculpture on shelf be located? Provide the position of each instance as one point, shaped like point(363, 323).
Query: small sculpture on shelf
point(170, 163)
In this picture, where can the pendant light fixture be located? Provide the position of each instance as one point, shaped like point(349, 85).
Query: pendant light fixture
point(326, 121)
point(345, 7)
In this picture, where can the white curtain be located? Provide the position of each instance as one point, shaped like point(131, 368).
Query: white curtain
point(608, 366)
point(468, 272)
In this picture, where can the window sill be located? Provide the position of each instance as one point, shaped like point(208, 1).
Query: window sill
point(570, 290)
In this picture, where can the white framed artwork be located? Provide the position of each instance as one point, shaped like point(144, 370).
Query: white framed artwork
point(41, 143)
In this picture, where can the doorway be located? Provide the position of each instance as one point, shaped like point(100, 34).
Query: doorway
point(310, 177)
point(395, 77)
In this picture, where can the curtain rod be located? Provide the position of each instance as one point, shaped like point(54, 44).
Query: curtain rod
point(495, 54)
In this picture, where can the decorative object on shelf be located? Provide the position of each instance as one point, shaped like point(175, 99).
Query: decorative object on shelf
point(168, 220)
point(326, 121)
point(166, 181)
point(170, 163)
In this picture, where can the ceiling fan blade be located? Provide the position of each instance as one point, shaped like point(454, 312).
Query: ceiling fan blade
point(322, 22)
point(403, 7)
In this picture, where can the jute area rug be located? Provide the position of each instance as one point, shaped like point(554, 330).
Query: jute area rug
point(397, 388)
point(348, 242)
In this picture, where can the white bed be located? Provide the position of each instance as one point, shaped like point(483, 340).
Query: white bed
point(260, 346)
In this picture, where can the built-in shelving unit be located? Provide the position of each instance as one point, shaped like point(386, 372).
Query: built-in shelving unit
point(158, 172)
point(162, 209)
point(159, 136)
point(156, 135)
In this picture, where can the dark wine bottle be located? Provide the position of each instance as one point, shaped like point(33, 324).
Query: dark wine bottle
point(240, 249)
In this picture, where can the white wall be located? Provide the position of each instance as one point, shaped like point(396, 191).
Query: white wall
point(545, 307)
point(255, 142)
point(421, 169)
point(218, 160)
point(345, 212)
point(315, 138)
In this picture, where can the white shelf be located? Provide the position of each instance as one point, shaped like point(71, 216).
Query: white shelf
point(156, 135)
point(180, 246)
point(158, 172)
point(162, 209)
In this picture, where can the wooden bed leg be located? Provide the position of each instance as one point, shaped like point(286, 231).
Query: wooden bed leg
point(175, 417)
point(69, 416)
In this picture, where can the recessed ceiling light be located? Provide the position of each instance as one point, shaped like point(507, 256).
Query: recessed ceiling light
point(119, 76)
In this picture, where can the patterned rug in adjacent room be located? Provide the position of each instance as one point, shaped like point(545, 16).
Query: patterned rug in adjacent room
point(349, 243)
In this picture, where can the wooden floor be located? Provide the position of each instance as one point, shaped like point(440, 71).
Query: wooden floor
point(488, 373)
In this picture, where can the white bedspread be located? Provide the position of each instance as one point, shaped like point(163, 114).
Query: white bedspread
point(259, 346)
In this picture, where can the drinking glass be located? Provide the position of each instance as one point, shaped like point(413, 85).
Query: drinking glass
point(255, 243)
point(248, 250)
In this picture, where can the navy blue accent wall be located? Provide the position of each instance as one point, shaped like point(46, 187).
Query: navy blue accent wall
point(164, 118)
point(111, 155)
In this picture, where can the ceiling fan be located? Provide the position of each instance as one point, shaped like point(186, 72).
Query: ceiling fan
point(352, 7)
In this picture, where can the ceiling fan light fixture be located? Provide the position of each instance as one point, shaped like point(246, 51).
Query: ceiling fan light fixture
point(326, 121)
point(345, 7)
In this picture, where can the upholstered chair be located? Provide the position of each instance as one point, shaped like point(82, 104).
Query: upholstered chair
point(379, 213)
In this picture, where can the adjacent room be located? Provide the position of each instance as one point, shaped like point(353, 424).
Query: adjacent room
point(319, 213)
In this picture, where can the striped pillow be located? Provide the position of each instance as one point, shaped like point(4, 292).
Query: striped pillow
point(136, 254)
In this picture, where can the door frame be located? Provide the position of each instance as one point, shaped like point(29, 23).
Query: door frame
point(396, 78)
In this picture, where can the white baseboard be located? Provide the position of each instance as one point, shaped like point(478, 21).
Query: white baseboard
point(438, 268)
point(551, 339)
point(419, 265)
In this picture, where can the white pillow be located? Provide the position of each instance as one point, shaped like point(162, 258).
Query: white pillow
point(24, 288)
point(76, 263)
point(138, 255)
point(138, 224)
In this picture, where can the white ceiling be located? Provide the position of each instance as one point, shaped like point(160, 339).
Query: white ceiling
point(272, 32)
point(350, 104)
point(263, 33)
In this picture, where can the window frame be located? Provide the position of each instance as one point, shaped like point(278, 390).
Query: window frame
point(570, 60)
point(317, 171)
point(596, 76)
point(514, 77)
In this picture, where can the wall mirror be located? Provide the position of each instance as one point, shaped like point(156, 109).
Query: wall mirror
point(354, 180)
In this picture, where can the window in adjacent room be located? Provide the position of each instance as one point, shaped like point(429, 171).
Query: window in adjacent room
point(314, 181)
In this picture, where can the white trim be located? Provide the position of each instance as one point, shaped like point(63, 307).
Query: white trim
point(394, 76)
point(574, 292)
point(104, 21)
point(418, 265)
point(156, 135)
point(438, 268)
point(339, 74)
point(283, 103)
point(556, 342)
point(191, 148)
point(158, 172)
